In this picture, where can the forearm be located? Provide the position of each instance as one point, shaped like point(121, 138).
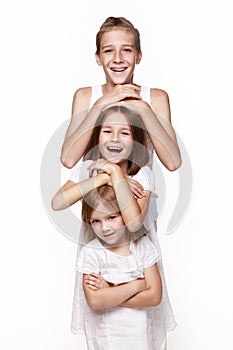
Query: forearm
point(152, 294)
point(165, 147)
point(111, 297)
point(130, 209)
point(76, 143)
point(163, 139)
point(68, 195)
point(145, 298)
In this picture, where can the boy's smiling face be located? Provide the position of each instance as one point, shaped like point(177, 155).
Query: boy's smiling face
point(118, 56)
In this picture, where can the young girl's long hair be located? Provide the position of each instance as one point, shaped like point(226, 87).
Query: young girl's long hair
point(106, 195)
point(139, 156)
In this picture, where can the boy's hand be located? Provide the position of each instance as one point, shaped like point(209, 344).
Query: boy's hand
point(120, 93)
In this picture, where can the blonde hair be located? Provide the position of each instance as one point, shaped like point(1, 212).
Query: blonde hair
point(106, 195)
point(112, 23)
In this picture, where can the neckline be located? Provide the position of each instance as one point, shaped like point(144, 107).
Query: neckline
point(116, 254)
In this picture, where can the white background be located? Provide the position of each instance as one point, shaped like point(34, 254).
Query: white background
point(47, 52)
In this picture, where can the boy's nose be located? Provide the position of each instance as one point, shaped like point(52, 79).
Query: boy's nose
point(118, 57)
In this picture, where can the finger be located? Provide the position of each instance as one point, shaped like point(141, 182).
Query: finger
point(137, 194)
point(92, 287)
point(94, 274)
point(134, 86)
point(138, 186)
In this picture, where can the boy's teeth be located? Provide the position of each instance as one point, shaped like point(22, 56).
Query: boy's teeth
point(118, 69)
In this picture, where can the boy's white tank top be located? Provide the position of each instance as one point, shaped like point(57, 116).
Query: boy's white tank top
point(97, 93)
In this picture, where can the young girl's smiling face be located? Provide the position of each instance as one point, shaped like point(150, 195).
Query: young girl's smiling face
point(118, 56)
point(108, 226)
point(115, 139)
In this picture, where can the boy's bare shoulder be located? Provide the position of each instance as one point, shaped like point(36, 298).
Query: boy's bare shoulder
point(158, 93)
point(160, 103)
point(81, 99)
point(83, 92)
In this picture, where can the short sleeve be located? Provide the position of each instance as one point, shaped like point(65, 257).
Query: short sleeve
point(147, 252)
point(145, 177)
point(88, 261)
point(80, 171)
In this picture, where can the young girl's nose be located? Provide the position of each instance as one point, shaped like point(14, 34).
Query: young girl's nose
point(115, 137)
point(105, 226)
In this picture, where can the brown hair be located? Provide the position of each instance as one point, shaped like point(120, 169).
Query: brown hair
point(139, 156)
point(112, 23)
point(106, 195)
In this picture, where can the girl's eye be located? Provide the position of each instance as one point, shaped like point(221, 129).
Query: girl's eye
point(125, 133)
point(112, 217)
point(106, 131)
point(93, 222)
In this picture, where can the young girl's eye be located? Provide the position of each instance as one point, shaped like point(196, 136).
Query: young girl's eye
point(112, 217)
point(125, 133)
point(106, 131)
point(94, 221)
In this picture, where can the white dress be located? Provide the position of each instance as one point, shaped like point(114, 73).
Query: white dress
point(118, 328)
point(163, 319)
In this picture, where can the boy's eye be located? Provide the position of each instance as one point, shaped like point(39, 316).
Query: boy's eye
point(127, 50)
point(107, 50)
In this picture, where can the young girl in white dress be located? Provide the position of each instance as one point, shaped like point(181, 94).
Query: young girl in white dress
point(121, 281)
point(117, 156)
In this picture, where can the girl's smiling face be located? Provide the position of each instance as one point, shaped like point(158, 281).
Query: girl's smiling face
point(115, 139)
point(118, 56)
point(108, 226)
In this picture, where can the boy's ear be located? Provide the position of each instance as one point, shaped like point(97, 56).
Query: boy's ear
point(98, 59)
point(139, 57)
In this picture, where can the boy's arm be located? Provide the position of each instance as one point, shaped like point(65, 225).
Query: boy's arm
point(157, 120)
point(80, 129)
point(152, 295)
point(110, 297)
point(83, 120)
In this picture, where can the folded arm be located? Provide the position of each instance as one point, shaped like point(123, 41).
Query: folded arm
point(136, 294)
point(152, 295)
point(111, 296)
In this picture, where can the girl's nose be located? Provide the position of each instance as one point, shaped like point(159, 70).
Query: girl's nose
point(105, 226)
point(115, 137)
